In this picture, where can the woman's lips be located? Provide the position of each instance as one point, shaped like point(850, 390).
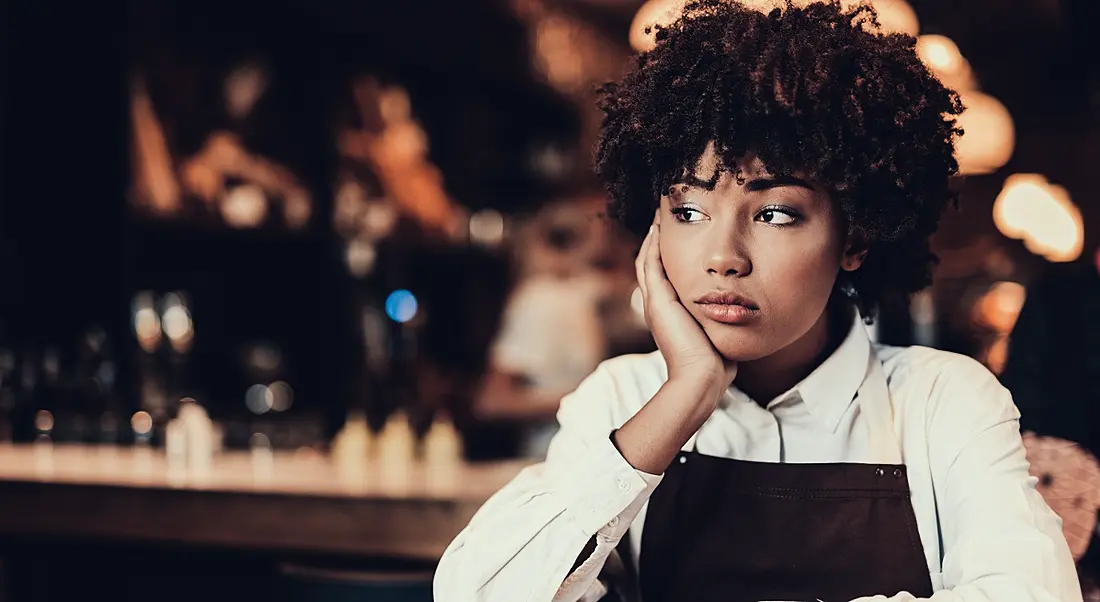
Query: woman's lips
point(728, 313)
point(727, 307)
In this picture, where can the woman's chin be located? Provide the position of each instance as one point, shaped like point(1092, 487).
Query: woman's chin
point(740, 351)
point(736, 343)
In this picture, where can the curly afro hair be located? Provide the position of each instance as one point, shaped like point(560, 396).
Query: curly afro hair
point(810, 89)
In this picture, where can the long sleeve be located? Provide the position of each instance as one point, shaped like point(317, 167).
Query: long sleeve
point(1001, 541)
point(522, 544)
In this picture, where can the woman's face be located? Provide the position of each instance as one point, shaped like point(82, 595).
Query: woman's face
point(753, 262)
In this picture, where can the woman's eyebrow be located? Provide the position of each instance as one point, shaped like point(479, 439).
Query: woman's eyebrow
point(691, 181)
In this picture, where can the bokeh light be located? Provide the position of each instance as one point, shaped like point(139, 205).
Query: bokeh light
point(1041, 214)
point(401, 306)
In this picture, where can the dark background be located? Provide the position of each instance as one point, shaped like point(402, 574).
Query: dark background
point(72, 254)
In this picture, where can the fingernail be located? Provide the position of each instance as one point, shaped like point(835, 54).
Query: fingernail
point(652, 228)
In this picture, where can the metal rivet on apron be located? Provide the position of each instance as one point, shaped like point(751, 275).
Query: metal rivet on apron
point(898, 473)
point(880, 471)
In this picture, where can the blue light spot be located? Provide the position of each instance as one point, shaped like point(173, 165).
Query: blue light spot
point(401, 306)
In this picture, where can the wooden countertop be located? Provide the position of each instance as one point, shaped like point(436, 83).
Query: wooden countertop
point(273, 501)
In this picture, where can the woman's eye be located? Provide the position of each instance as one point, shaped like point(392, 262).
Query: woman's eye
point(775, 217)
point(687, 214)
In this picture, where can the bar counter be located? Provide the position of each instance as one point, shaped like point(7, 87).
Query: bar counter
point(279, 502)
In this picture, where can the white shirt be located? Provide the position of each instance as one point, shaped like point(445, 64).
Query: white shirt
point(943, 415)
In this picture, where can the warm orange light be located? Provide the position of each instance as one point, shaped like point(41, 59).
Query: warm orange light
point(560, 49)
point(147, 325)
point(1041, 214)
point(1001, 304)
point(282, 396)
point(652, 13)
point(940, 53)
point(142, 423)
point(244, 206)
point(43, 421)
point(942, 56)
point(243, 87)
point(176, 323)
point(998, 309)
point(896, 16)
point(989, 136)
point(997, 354)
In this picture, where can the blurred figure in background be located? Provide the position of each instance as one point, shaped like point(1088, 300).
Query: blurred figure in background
point(1053, 365)
point(569, 309)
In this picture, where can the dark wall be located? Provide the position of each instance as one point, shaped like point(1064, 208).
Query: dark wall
point(65, 168)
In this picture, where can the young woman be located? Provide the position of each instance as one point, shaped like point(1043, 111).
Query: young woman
point(789, 169)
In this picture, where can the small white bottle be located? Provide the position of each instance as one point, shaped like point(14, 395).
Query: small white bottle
point(354, 441)
point(396, 448)
point(263, 458)
point(442, 453)
point(199, 435)
point(442, 443)
point(350, 449)
point(175, 447)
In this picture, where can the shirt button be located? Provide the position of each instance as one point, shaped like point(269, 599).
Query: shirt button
point(880, 471)
point(623, 485)
point(683, 459)
point(898, 473)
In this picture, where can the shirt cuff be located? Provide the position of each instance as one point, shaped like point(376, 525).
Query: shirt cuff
point(610, 492)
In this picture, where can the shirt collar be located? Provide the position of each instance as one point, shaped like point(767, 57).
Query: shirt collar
point(831, 388)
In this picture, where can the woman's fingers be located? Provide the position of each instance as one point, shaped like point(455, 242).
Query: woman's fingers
point(656, 280)
point(640, 262)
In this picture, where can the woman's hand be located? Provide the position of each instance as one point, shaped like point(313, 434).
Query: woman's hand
point(697, 373)
point(687, 349)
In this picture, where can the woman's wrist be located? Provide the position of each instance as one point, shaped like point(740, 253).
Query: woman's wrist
point(703, 383)
point(650, 440)
point(698, 396)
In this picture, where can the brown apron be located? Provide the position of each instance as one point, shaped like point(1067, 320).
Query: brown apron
point(718, 529)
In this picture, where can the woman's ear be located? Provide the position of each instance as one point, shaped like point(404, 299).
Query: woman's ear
point(855, 251)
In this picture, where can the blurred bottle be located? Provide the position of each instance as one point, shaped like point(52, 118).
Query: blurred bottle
point(442, 452)
point(442, 444)
point(355, 442)
point(396, 448)
point(191, 439)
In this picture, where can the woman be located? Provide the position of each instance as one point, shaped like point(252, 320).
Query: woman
point(790, 169)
